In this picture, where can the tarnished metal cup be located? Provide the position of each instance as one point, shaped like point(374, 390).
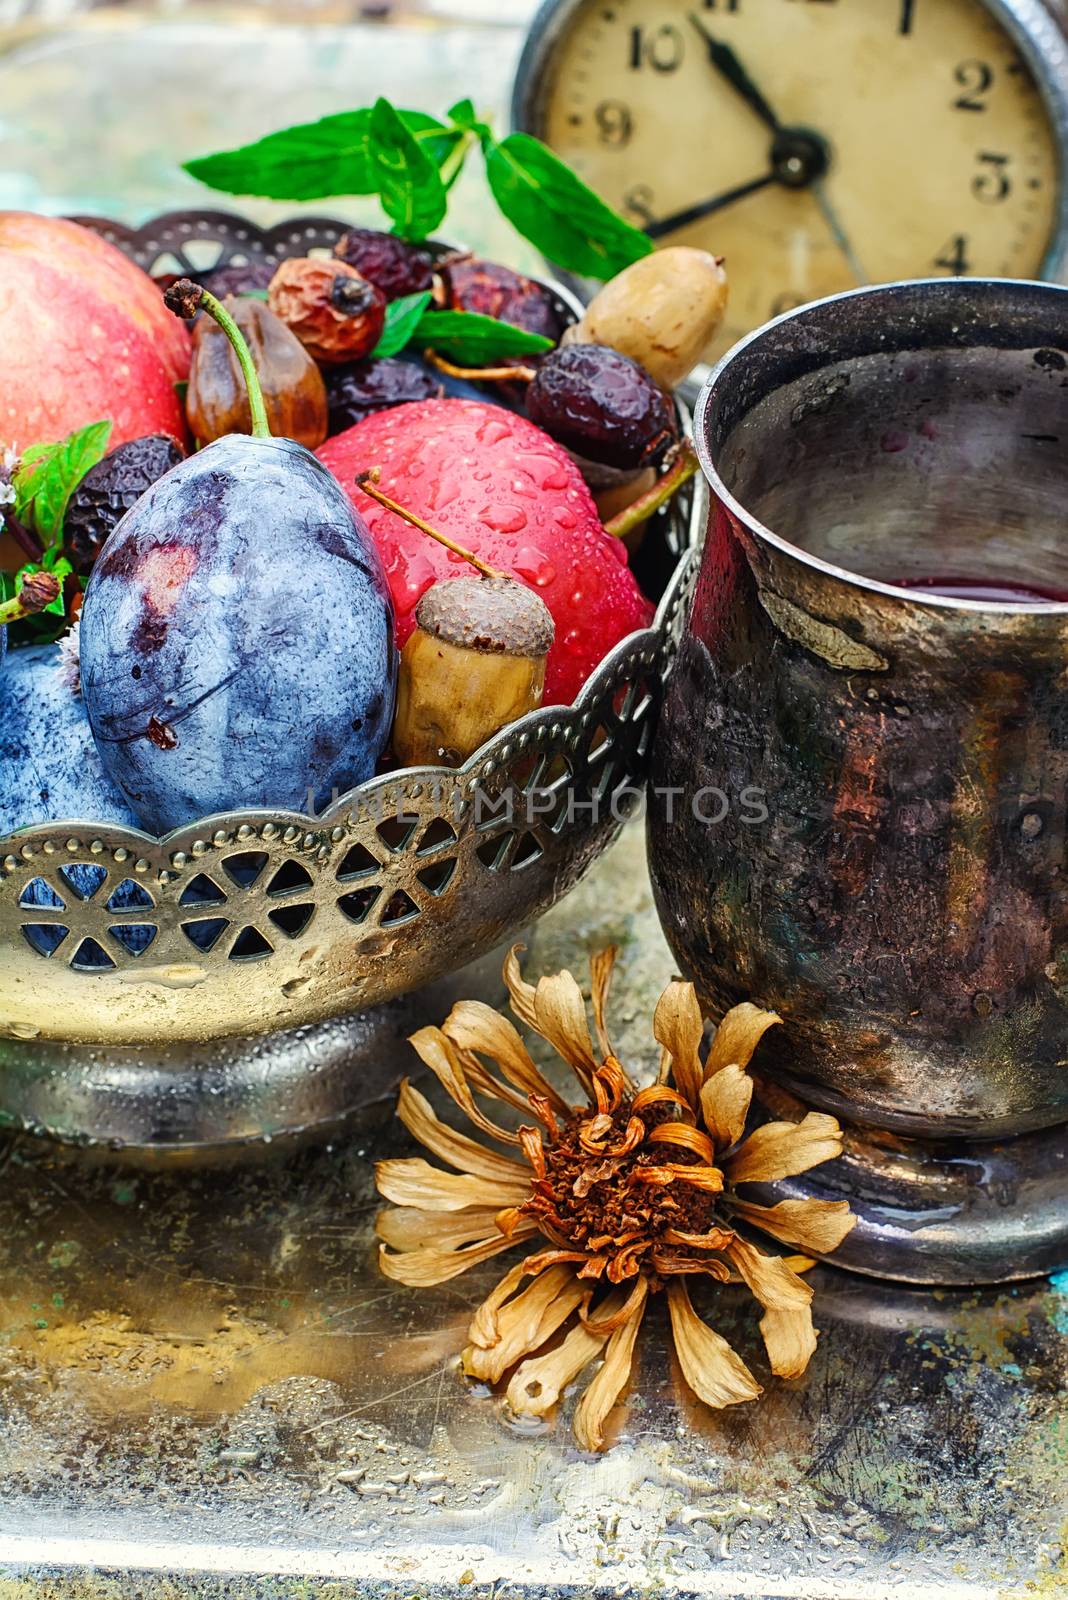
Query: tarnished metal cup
point(859, 789)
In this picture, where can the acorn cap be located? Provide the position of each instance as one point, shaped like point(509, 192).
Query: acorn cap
point(497, 616)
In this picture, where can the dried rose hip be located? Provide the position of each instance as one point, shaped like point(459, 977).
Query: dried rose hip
point(334, 312)
point(471, 284)
point(109, 489)
point(391, 264)
point(352, 393)
point(602, 405)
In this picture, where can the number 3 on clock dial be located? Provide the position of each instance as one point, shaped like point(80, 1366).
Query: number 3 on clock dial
point(924, 141)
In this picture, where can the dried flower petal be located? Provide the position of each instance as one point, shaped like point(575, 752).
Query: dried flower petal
point(520, 992)
point(725, 1100)
point(412, 1228)
point(525, 1322)
point(418, 1116)
point(614, 1311)
point(422, 1269)
point(608, 1384)
point(790, 1340)
point(684, 1137)
point(538, 1382)
point(714, 1239)
point(714, 1372)
point(679, 1026)
point(624, 1192)
point(414, 1182)
point(439, 1054)
point(561, 1019)
point(472, 1025)
point(819, 1225)
point(601, 965)
point(783, 1149)
point(789, 1336)
point(667, 1264)
point(661, 1094)
point(737, 1036)
point(483, 1328)
point(710, 1179)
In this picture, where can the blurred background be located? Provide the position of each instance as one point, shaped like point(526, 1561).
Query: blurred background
point(100, 103)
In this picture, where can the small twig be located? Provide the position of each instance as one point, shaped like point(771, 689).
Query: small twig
point(480, 374)
point(24, 537)
point(367, 481)
point(664, 489)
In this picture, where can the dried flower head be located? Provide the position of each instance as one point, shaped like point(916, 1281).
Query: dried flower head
point(633, 1191)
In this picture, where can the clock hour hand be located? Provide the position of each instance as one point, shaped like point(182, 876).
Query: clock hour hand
point(728, 66)
point(705, 208)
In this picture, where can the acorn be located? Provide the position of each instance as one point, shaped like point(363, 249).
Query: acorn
point(474, 662)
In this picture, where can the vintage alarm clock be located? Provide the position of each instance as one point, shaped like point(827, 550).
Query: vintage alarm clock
point(815, 144)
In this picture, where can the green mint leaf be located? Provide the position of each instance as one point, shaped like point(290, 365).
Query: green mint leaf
point(61, 569)
point(308, 162)
point(62, 475)
point(545, 202)
point(28, 476)
point(34, 453)
point(409, 184)
point(315, 160)
point(8, 586)
point(472, 340)
point(402, 319)
point(463, 115)
point(45, 485)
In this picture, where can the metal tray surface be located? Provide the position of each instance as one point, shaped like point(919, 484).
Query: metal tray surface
point(208, 1390)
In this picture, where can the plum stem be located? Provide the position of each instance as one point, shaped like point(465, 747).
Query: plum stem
point(185, 298)
point(683, 469)
point(368, 482)
point(261, 428)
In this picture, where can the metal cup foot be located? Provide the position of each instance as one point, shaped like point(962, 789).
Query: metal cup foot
point(944, 1212)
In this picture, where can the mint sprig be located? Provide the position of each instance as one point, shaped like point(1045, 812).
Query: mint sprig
point(465, 337)
point(317, 160)
point(48, 474)
point(410, 160)
point(545, 202)
point(402, 318)
point(472, 340)
point(408, 182)
point(43, 481)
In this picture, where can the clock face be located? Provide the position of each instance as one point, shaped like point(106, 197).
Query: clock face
point(815, 144)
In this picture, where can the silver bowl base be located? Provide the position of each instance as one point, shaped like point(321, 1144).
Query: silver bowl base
point(196, 1105)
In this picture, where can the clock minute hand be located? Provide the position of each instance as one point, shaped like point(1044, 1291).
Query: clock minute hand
point(728, 65)
point(705, 208)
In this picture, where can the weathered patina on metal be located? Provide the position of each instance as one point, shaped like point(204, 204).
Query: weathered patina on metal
point(208, 1391)
point(903, 902)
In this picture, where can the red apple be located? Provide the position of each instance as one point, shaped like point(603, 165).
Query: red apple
point(84, 335)
point(504, 490)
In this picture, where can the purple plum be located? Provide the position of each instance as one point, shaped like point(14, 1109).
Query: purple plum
point(49, 767)
point(237, 639)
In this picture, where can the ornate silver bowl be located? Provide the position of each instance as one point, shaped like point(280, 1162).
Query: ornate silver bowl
point(148, 977)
